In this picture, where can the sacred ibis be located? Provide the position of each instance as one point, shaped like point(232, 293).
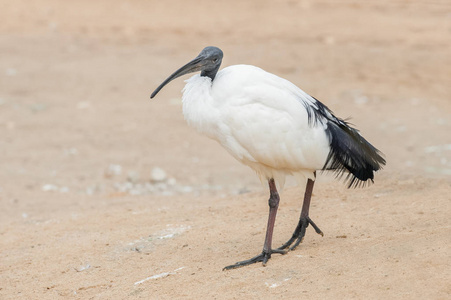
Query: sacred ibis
point(272, 126)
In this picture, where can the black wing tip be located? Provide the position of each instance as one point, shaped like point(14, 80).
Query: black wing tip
point(362, 177)
point(350, 179)
point(352, 154)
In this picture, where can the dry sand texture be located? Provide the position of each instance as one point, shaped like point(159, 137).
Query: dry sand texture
point(105, 194)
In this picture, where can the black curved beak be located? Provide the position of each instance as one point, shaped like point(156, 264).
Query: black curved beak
point(193, 66)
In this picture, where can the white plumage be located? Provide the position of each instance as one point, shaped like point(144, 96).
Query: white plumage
point(260, 119)
point(272, 126)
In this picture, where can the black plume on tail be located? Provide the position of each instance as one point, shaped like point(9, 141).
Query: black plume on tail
point(350, 152)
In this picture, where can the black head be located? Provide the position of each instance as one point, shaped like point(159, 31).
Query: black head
point(208, 62)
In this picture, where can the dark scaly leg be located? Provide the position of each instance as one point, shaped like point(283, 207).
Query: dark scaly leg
point(304, 220)
point(267, 250)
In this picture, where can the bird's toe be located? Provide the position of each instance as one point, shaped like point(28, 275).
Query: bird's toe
point(262, 257)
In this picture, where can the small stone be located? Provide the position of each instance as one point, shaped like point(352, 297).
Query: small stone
point(11, 72)
point(90, 190)
point(63, 189)
point(113, 170)
point(82, 268)
point(133, 176)
point(49, 188)
point(158, 174)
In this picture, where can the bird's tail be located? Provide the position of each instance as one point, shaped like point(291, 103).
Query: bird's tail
point(350, 152)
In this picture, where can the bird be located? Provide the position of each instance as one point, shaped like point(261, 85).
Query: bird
point(278, 130)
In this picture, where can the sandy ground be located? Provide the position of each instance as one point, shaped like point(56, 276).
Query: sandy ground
point(105, 194)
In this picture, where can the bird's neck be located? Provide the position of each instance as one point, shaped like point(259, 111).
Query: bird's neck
point(210, 73)
point(198, 105)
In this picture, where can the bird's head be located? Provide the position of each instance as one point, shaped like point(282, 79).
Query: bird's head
point(208, 62)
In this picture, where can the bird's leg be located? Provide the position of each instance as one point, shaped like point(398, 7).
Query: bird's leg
point(304, 220)
point(267, 250)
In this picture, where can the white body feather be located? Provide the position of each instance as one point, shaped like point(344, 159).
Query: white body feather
point(260, 119)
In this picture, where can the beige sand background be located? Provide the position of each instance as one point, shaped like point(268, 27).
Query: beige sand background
point(105, 194)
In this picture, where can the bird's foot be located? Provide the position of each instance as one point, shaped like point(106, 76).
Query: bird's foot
point(263, 257)
point(299, 233)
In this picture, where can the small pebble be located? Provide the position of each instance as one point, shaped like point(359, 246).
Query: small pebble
point(11, 72)
point(133, 176)
point(82, 268)
point(49, 188)
point(113, 170)
point(158, 174)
